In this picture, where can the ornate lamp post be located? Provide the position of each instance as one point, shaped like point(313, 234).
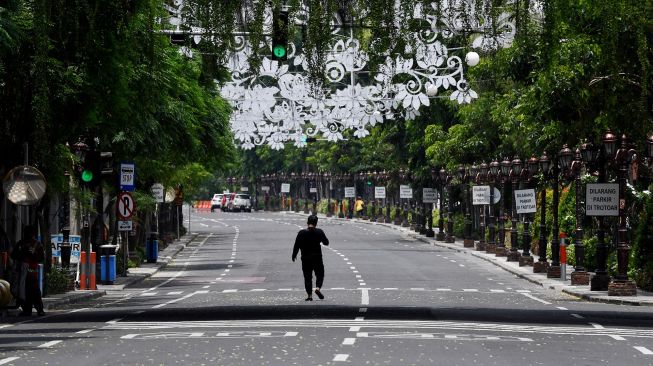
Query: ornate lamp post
point(564, 159)
point(404, 222)
point(306, 181)
point(462, 175)
point(480, 179)
point(513, 255)
point(504, 173)
point(468, 241)
point(620, 284)
point(442, 179)
point(429, 211)
point(542, 264)
point(580, 276)
point(327, 179)
point(386, 206)
point(491, 177)
point(449, 238)
point(526, 259)
point(473, 171)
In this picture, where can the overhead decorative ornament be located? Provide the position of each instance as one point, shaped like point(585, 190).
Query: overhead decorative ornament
point(278, 104)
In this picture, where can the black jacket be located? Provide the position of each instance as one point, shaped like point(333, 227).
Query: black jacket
point(308, 241)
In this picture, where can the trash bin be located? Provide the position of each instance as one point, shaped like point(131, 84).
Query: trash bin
point(152, 248)
point(108, 264)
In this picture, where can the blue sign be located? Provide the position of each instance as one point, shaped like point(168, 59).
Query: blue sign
point(127, 177)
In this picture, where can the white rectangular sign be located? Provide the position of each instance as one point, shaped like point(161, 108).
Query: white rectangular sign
point(429, 195)
point(481, 195)
point(265, 188)
point(124, 226)
point(157, 192)
point(75, 246)
point(525, 201)
point(312, 190)
point(602, 199)
point(244, 189)
point(405, 192)
point(350, 192)
point(379, 192)
point(285, 187)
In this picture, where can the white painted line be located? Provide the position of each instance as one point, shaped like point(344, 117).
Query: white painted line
point(577, 316)
point(470, 290)
point(442, 289)
point(337, 288)
point(128, 336)
point(362, 335)
point(417, 289)
point(461, 265)
point(355, 271)
point(149, 293)
point(85, 331)
point(201, 292)
point(285, 289)
point(352, 267)
point(499, 291)
point(523, 291)
point(561, 308)
point(291, 334)
point(8, 325)
point(231, 261)
point(227, 270)
point(390, 288)
point(206, 286)
point(359, 319)
point(365, 297)
point(597, 326)
point(114, 321)
point(349, 341)
point(341, 357)
point(230, 266)
point(536, 299)
point(616, 337)
point(257, 289)
point(175, 292)
point(226, 291)
point(349, 263)
point(363, 284)
point(50, 344)
point(354, 329)
point(8, 359)
point(72, 311)
point(644, 350)
point(359, 276)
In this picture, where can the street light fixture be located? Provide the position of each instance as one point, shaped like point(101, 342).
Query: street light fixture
point(493, 170)
point(526, 259)
point(504, 175)
point(513, 255)
point(480, 179)
point(580, 276)
point(542, 263)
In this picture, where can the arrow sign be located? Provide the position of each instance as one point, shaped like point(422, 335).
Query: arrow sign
point(126, 205)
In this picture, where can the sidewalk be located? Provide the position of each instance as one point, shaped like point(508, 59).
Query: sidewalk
point(643, 298)
point(134, 275)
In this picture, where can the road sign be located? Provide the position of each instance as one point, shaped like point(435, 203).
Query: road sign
point(265, 188)
point(481, 195)
point(244, 189)
point(127, 176)
point(429, 195)
point(525, 201)
point(405, 192)
point(157, 192)
point(312, 190)
point(285, 187)
point(379, 192)
point(350, 192)
point(126, 205)
point(602, 199)
point(125, 225)
point(497, 195)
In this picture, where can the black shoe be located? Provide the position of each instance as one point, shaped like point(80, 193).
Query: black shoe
point(308, 299)
point(319, 294)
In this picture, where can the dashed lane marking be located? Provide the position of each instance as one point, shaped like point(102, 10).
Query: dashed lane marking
point(85, 331)
point(616, 337)
point(7, 360)
point(349, 341)
point(341, 357)
point(50, 344)
point(644, 350)
point(535, 298)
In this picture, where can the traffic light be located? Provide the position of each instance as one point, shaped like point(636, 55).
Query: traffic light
point(280, 35)
point(94, 165)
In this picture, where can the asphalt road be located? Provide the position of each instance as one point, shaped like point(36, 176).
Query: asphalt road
point(234, 297)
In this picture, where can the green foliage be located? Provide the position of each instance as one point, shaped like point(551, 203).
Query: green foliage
point(57, 280)
point(641, 266)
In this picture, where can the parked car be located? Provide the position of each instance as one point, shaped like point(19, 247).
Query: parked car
point(240, 202)
point(216, 201)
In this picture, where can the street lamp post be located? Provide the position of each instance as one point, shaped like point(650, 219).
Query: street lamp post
point(492, 174)
point(404, 222)
point(526, 258)
point(542, 264)
point(579, 276)
point(513, 255)
point(327, 178)
point(564, 158)
point(480, 179)
point(468, 241)
point(429, 211)
point(449, 238)
point(620, 284)
point(504, 174)
point(442, 179)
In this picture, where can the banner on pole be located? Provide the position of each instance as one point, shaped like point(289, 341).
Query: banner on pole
point(429, 195)
point(525, 201)
point(350, 192)
point(480, 195)
point(602, 199)
point(379, 192)
point(405, 192)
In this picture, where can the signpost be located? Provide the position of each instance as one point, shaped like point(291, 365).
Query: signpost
point(480, 195)
point(350, 192)
point(602, 199)
point(157, 192)
point(244, 189)
point(127, 176)
point(429, 195)
point(285, 187)
point(405, 192)
point(525, 201)
point(379, 192)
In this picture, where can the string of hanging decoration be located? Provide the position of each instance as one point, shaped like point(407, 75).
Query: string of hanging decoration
point(279, 104)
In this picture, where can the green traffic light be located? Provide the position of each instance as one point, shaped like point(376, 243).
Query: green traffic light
point(87, 176)
point(279, 51)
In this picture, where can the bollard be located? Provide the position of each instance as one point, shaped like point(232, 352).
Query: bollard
point(39, 269)
point(87, 272)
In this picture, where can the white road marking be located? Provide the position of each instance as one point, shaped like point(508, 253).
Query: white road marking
point(616, 337)
point(442, 289)
point(285, 289)
point(175, 292)
point(72, 311)
point(597, 326)
point(50, 344)
point(178, 299)
point(578, 316)
point(349, 341)
point(257, 289)
point(535, 298)
point(337, 288)
point(644, 350)
point(417, 288)
point(359, 319)
point(354, 329)
point(341, 357)
point(390, 288)
point(8, 359)
point(365, 297)
point(499, 291)
point(561, 308)
point(523, 291)
point(470, 290)
point(363, 284)
point(114, 321)
point(226, 291)
point(85, 331)
point(149, 293)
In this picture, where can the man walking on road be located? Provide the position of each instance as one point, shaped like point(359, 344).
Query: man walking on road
point(308, 241)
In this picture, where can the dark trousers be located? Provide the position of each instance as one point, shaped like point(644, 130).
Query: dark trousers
point(32, 296)
point(310, 265)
